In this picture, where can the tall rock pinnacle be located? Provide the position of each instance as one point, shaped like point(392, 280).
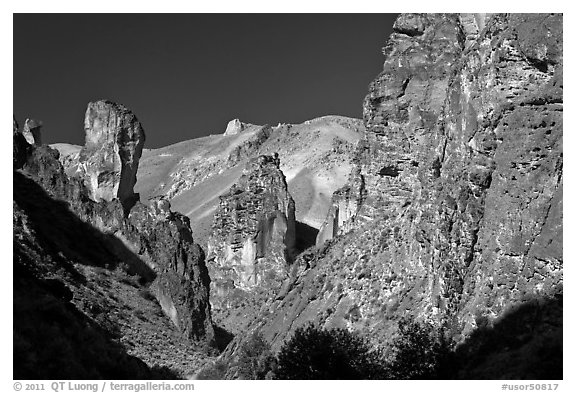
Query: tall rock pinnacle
point(253, 235)
point(109, 159)
point(32, 131)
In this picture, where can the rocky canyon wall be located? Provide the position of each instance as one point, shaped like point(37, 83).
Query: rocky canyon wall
point(454, 214)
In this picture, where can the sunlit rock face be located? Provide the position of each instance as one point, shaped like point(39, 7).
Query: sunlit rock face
point(253, 235)
point(20, 147)
point(454, 214)
point(32, 131)
point(234, 127)
point(109, 159)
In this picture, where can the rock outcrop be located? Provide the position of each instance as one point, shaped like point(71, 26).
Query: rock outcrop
point(32, 131)
point(346, 203)
point(153, 242)
point(253, 236)
point(316, 160)
point(109, 159)
point(234, 127)
point(20, 147)
point(456, 207)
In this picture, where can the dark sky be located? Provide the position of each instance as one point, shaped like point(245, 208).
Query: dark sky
point(187, 75)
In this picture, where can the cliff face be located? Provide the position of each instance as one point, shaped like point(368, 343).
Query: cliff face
point(454, 213)
point(253, 236)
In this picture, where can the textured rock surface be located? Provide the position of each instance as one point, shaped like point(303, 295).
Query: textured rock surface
point(155, 243)
point(253, 236)
point(110, 156)
point(32, 131)
point(20, 147)
point(234, 127)
point(77, 312)
point(316, 159)
point(458, 193)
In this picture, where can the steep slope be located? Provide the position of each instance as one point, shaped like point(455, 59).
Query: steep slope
point(95, 248)
point(79, 312)
point(315, 157)
point(454, 212)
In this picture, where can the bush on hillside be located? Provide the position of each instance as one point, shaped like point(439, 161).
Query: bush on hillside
point(314, 353)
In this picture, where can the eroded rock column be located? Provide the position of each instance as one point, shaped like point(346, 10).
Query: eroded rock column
point(109, 160)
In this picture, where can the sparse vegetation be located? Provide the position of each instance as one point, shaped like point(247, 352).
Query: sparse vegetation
point(418, 352)
point(215, 371)
point(256, 360)
point(315, 353)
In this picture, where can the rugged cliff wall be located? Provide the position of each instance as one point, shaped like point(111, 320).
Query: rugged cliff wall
point(455, 211)
point(253, 235)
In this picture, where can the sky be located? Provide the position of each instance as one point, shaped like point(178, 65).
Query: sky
point(187, 75)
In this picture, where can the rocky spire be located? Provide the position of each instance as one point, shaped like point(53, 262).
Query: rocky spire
point(32, 131)
point(253, 235)
point(109, 160)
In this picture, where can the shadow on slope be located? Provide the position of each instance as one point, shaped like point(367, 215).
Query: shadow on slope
point(525, 343)
point(59, 231)
point(305, 236)
point(223, 337)
point(53, 338)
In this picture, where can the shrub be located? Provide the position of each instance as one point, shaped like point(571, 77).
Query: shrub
point(419, 352)
point(255, 360)
point(215, 371)
point(146, 294)
point(315, 353)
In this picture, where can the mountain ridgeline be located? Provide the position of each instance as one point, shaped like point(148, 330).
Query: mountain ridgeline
point(438, 216)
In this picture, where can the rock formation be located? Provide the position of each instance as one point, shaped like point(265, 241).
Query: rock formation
point(454, 215)
point(156, 237)
point(345, 205)
point(20, 147)
point(316, 160)
point(110, 156)
point(32, 131)
point(253, 235)
point(234, 127)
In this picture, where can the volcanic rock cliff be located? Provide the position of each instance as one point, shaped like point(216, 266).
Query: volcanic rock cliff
point(152, 244)
point(454, 213)
point(253, 237)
